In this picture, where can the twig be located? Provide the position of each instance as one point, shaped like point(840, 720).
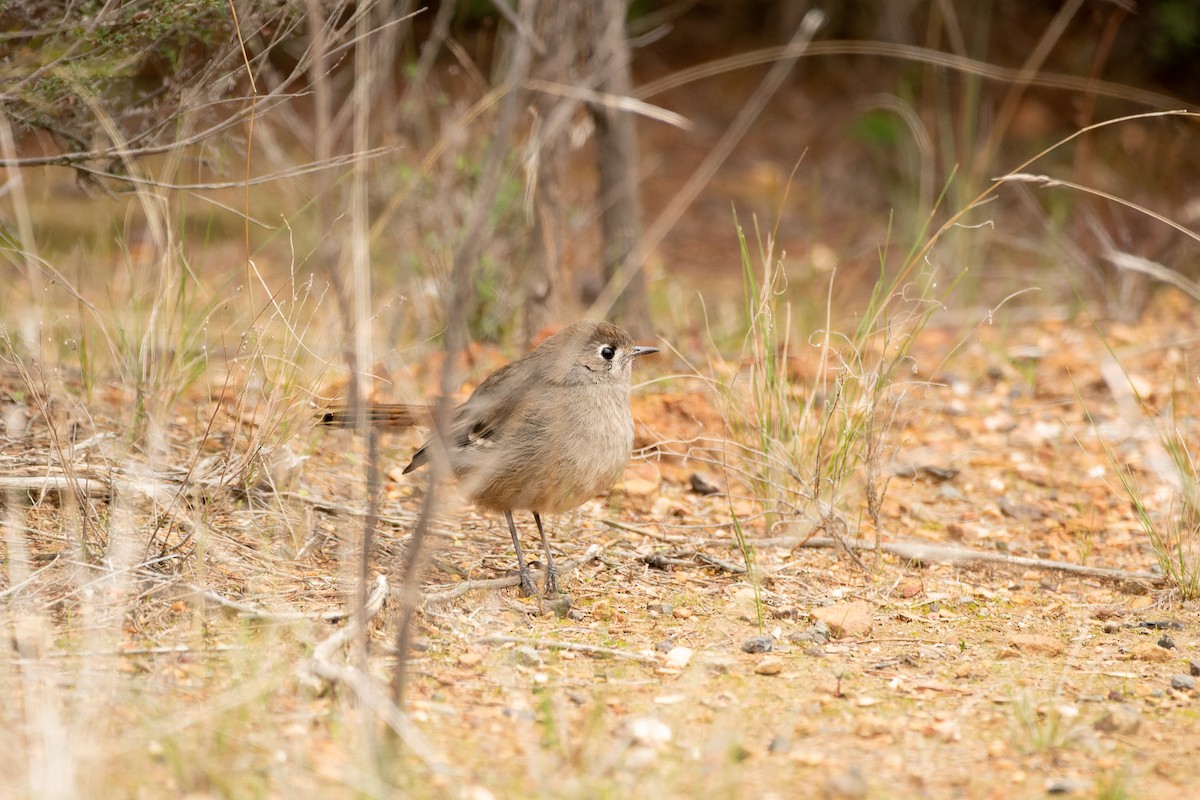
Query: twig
point(475, 230)
point(322, 653)
point(165, 650)
point(56, 483)
point(662, 537)
point(321, 668)
point(254, 612)
point(690, 560)
point(923, 552)
point(577, 647)
point(564, 567)
point(17, 587)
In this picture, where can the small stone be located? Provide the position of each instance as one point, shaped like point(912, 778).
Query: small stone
point(1149, 652)
point(948, 491)
point(526, 655)
point(1122, 718)
point(1166, 642)
point(663, 609)
point(679, 657)
point(771, 665)
point(849, 784)
point(559, 605)
point(1112, 626)
point(1035, 644)
point(682, 613)
point(648, 732)
point(1065, 786)
point(702, 484)
point(758, 644)
point(470, 659)
point(665, 646)
point(639, 487)
point(720, 663)
point(846, 620)
point(477, 792)
point(1194, 667)
point(1183, 683)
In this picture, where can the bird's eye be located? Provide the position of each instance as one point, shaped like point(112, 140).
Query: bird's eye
point(607, 352)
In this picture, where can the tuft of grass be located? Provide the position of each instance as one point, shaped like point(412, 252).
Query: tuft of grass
point(819, 452)
point(1042, 729)
point(1174, 531)
point(1174, 534)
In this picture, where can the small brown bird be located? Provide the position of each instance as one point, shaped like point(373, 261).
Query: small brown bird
point(544, 433)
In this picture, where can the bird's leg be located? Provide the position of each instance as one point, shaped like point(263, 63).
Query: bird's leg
point(526, 582)
point(551, 570)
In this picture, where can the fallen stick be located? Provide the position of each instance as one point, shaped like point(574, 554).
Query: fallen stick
point(591, 554)
point(577, 647)
point(924, 552)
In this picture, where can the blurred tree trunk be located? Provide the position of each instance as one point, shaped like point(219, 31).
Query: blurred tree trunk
point(617, 168)
point(560, 25)
point(583, 47)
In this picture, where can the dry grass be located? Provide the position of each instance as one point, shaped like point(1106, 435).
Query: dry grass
point(180, 558)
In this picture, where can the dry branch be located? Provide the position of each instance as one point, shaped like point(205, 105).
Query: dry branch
point(924, 553)
point(577, 647)
point(591, 554)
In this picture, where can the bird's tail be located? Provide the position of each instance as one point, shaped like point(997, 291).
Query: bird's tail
point(382, 416)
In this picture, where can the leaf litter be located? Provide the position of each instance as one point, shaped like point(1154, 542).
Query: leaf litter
point(673, 669)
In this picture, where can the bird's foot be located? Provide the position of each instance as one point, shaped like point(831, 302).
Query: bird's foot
point(551, 580)
point(527, 587)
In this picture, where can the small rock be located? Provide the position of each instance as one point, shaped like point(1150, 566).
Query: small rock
point(1122, 718)
point(470, 659)
point(948, 491)
point(558, 605)
point(701, 484)
point(849, 784)
point(1065, 786)
point(771, 665)
point(639, 487)
point(720, 663)
point(682, 613)
point(663, 609)
point(1194, 667)
point(1035, 644)
point(1183, 683)
point(758, 644)
point(648, 732)
point(1166, 642)
point(1149, 652)
point(1112, 626)
point(1161, 625)
point(477, 792)
point(846, 620)
point(665, 646)
point(524, 654)
point(679, 657)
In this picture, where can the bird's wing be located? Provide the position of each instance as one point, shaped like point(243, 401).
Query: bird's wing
point(483, 416)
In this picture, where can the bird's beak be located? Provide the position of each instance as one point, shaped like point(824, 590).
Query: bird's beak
point(643, 351)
